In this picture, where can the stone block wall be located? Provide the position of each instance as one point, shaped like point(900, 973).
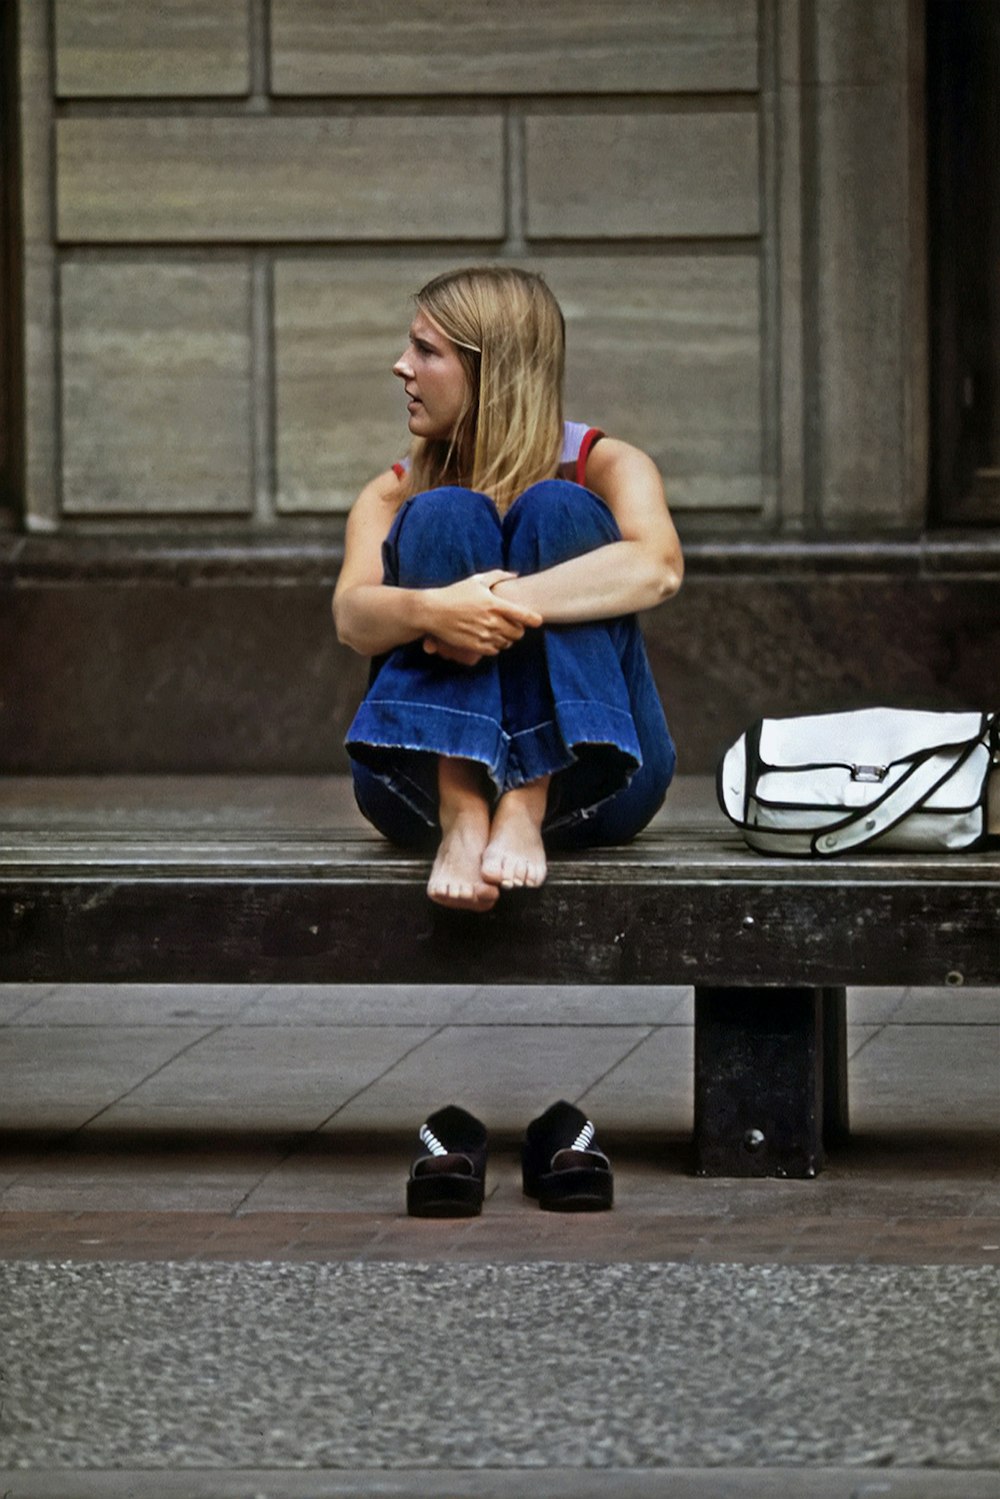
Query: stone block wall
point(228, 204)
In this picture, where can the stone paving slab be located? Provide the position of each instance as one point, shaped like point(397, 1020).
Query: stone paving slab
point(516, 1367)
point(672, 1483)
point(945, 1176)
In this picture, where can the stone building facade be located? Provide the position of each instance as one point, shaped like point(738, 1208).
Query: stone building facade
point(222, 210)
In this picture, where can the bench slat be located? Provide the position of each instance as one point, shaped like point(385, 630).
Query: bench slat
point(669, 931)
point(268, 879)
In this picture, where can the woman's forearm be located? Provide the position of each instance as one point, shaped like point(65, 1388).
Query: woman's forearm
point(623, 577)
point(373, 618)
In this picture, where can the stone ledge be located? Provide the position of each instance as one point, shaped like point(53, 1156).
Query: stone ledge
point(206, 558)
point(203, 654)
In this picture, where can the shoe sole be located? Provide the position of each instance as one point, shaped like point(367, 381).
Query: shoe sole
point(579, 1191)
point(437, 1196)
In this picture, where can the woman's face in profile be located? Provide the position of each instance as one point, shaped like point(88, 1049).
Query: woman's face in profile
point(433, 378)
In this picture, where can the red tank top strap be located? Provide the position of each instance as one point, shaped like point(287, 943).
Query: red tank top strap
point(592, 435)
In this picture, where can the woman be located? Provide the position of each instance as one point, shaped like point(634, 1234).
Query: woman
point(493, 578)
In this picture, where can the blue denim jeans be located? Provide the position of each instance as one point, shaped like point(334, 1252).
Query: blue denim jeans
point(576, 702)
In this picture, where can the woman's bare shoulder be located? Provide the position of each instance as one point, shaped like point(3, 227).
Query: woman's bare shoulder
point(616, 471)
point(388, 487)
point(610, 451)
point(377, 504)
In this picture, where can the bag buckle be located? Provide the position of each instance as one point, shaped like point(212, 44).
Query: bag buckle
point(869, 772)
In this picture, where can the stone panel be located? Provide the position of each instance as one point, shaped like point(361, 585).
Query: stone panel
point(663, 351)
point(135, 48)
point(396, 177)
point(622, 175)
point(156, 388)
point(339, 327)
point(464, 46)
point(37, 271)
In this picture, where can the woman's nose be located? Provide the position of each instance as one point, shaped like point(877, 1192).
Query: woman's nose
point(403, 368)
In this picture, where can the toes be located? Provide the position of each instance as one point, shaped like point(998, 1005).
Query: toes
point(523, 873)
point(503, 870)
point(462, 897)
point(513, 872)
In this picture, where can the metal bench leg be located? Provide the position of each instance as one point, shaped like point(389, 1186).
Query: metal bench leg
point(759, 1080)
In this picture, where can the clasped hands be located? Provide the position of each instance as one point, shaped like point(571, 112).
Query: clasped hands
point(469, 621)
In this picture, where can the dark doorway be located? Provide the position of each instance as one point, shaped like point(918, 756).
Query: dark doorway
point(963, 115)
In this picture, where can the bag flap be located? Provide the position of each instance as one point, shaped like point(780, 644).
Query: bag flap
point(908, 795)
point(863, 736)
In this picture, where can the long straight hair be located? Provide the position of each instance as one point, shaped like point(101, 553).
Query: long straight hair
point(511, 338)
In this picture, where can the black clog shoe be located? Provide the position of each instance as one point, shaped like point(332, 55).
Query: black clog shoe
point(562, 1164)
point(448, 1176)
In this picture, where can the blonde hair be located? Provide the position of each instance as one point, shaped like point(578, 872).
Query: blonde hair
point(511, 338)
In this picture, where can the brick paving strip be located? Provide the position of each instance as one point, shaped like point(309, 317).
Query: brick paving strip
point(606, 1238)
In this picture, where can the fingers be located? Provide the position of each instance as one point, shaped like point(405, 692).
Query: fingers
point(487, 645)
point(495, 575)
point(528, 617)
point(519, 614)
point(467, 617)
point(459, 654)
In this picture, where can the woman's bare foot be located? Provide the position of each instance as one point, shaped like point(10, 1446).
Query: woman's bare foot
point(456, 876)
point(515, 854)
point(456, 879)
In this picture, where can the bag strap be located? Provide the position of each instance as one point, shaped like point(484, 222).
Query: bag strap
point(920, 782)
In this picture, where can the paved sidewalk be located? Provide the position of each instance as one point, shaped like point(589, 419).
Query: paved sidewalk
point(175, 1159)
point(187, 1123)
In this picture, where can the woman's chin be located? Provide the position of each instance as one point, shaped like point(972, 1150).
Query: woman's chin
point(420, 427)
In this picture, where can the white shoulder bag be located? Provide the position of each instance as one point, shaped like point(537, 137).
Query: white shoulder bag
point(837, 782)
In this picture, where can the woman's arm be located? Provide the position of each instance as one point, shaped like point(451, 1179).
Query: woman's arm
point(372, 617)
point(624, 577)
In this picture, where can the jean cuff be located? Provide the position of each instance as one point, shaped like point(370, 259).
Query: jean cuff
point(385, 724)
point(606, 755)
point(588, 722)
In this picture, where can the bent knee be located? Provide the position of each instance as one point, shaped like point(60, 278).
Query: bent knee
point(441, 535)
point(553, 520)
point(447, 505)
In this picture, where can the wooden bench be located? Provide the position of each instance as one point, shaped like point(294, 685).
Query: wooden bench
point(277, 879)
